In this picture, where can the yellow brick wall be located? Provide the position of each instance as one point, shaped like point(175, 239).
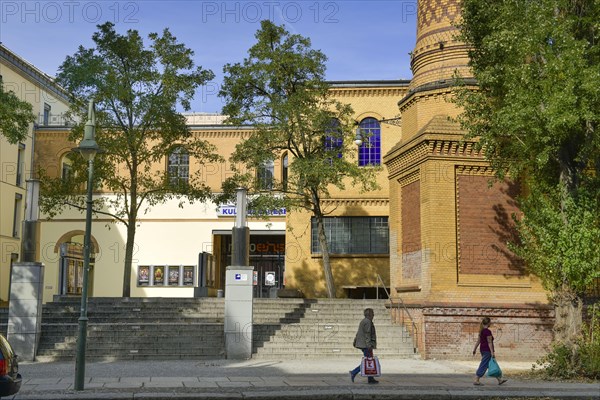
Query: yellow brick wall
point(303, 270)
point(430, 148)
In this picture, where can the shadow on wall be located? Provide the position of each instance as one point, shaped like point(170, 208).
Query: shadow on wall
point(349, 271)
point(506, 230)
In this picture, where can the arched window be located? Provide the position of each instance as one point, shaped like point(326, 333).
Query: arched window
point(67, 166)
point(369, 152)
point(178, 167)
point(333, 138)
point(264, 175)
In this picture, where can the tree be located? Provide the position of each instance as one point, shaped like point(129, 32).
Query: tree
point(15, 116)
point(280, 90)
point(136, 90)
point(535, 113)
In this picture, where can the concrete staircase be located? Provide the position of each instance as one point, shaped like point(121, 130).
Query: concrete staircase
point(161, 329)
point(299, 328)
point(135, 329)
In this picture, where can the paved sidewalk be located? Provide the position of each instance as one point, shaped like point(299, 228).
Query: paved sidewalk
point(319, 378)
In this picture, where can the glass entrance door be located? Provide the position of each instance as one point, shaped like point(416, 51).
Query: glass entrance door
point(267, 256)
point(71, 269)
point(269, 274)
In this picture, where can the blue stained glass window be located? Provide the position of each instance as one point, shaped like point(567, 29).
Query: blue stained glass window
point(333, 139)
point(369, 152)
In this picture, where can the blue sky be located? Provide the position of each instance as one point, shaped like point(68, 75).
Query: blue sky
point(363, 40)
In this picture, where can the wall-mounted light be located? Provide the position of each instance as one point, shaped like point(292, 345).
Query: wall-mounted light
point(361, 135)
point(358, 138)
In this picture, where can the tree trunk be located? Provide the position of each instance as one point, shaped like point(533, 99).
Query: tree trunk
point(131, 227)
point(568, 316)
point(128, 258)
point(325, 253)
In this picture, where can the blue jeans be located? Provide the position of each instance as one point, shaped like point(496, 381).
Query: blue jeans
point(366, 353)
point(486, 356)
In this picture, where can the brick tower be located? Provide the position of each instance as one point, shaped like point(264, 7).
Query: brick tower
point(449, 262)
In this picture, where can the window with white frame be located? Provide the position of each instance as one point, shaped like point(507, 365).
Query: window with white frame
point(178, 167)
point(21, 164)
point(369, 152)
point(46, 118)
point(264, 175)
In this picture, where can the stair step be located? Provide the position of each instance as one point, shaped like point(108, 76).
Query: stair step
point(160, 328)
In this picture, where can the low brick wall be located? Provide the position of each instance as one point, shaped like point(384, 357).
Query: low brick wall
point(450, 331)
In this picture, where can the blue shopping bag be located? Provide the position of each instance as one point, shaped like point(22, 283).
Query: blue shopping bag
point(494, 369)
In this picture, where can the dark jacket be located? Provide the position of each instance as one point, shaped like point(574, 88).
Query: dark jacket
point(366, 336)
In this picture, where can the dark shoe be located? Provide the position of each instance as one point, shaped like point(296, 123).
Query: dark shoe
point(352, 376)
point(373, 381)
point(500, 382)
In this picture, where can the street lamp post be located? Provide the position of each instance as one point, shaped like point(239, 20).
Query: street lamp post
point(88, 148)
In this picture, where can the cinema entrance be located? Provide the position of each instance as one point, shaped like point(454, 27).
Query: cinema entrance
point(267, 256)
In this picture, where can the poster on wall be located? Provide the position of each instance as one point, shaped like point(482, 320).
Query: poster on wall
point(174, 275)
point(188, 275)
point(143, 276)
point(159, 275)
point(270, 278)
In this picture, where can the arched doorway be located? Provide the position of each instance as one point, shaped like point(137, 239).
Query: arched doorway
point(70, 271)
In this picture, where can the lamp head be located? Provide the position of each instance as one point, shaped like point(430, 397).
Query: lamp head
point(88, 147)
point(358, 138)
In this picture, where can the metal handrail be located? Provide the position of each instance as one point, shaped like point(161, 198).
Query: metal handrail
point(405, 309)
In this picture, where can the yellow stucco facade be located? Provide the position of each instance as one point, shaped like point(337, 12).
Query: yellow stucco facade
point(49, 103)
point(169, 235)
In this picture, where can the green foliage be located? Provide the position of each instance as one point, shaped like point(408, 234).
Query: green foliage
point(137, 90)
point(537, 65)
point(15, 116)
point(579, 361)
point(590, 346)
point(559, 239)
point(280, 90)
point(535, 114)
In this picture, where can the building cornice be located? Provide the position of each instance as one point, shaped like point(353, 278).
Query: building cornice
point(369, 92)
point(34, 74)
point(366, 84)
point(440, 139)
point(374, 202)
point(442, 86)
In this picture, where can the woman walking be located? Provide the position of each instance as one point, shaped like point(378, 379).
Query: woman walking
point(485, 342)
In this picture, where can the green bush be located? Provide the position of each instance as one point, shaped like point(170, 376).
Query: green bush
point(589, 349)
point(582, 360)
